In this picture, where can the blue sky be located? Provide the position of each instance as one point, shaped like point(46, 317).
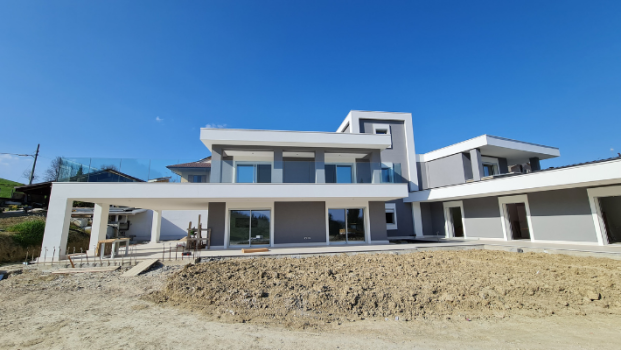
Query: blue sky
point(137, 79)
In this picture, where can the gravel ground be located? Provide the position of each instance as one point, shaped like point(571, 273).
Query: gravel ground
point(39, 310)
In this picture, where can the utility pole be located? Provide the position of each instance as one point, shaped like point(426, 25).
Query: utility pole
point(34, 164)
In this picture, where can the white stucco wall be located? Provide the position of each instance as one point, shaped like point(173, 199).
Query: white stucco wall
point(174, 224)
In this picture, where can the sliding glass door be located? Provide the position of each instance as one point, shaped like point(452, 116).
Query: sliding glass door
point(247, 172)
point(346, 225)
point(339, 173)
point(249, 227)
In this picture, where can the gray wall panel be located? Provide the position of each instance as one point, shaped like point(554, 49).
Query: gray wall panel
point(482, 217)
point(467, 166)
point(562, 215)
point(398, 152)
point(446, 171)
point(299, 170)
point(437, 219)
point(503, 165)
point(405, 223)
point(377, 214)
point(422, 175)
point(227, 170)
point(216, 220)
point(295, 220)
point(425, 210)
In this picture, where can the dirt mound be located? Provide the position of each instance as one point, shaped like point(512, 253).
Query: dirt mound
point(442, 284)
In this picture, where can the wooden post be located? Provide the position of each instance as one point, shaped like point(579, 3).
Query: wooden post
point(209, 238)
point(187, 242)
point(199, 235)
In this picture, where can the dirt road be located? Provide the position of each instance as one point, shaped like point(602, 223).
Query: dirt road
point(43, 311)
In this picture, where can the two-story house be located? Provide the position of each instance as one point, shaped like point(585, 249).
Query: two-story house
point(365, 184)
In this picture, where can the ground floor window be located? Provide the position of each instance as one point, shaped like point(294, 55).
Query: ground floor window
point(346, 225)
point(391, 216)
point(249, 227)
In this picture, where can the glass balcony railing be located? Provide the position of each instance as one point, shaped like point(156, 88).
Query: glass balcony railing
point(230, 171)
point(126, 170)
point(226, 171)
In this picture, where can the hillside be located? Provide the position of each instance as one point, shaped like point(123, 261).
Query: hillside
point(6, 187)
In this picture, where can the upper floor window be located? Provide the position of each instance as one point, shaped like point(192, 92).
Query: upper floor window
point(248, 172)
point(197, 178)
point(339, 173)
point(382, 129)
point(489, 169)
point(387, 174)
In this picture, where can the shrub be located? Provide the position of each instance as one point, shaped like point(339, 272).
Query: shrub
point(28, 233)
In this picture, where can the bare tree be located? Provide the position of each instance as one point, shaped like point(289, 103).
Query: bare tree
point(26, 175)
point(53, 172)
point(109, 167)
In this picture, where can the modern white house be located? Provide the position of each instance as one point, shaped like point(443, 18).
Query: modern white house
point(364, 184)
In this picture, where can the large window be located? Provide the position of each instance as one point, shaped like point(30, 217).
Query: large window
point(253, 172)
point(249, 227)
point(346, 225)
point(339, 173)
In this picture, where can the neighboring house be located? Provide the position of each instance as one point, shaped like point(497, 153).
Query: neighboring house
point(198, 171)
point(365, 184)
point(105, 175)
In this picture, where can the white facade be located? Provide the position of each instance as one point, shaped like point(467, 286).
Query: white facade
point(342, 186)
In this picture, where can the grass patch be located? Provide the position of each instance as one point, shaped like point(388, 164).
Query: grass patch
point(28, 233)
point(6, 187)
point(25, 234)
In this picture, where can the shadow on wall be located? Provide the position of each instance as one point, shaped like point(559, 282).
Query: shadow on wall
point(170, 230)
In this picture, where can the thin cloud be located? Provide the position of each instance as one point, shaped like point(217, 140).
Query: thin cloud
point(158, 119)
point(6, 159)
point(215, 126)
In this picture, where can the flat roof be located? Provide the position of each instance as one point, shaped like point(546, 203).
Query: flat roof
point(246, 137)
point(598, 173)
point(494, 146)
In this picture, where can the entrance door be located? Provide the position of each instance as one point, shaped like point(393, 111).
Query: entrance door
point(518, 221)
point(611, 216)
point(346, 225)
point(249, 227)
point(456, 221)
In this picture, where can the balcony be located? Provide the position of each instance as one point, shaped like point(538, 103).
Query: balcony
point(305, 172)
point(125, 170)
point(345, 171)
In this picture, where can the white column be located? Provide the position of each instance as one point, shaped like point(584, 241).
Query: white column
point(156, 226)
point(418, 219)
point(56, 227)
point(100, 225)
